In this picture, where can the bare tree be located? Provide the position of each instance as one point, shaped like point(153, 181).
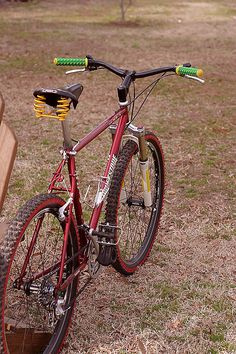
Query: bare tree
point(124, 5)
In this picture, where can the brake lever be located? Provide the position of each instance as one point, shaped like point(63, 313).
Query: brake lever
point(194, 78)
point(75, 71)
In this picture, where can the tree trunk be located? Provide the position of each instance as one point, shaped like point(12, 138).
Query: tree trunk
point(122, 9)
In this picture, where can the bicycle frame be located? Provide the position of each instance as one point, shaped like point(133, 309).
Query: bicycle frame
point(66, 211)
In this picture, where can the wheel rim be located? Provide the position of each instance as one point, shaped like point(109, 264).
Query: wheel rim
point(24, 314)
point(136, 222)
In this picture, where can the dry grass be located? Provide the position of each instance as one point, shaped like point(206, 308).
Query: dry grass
point(183, 299)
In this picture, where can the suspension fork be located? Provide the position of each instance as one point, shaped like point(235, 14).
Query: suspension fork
point(144, 169)
point(138, 135)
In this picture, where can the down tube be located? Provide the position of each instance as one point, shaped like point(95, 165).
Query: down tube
point(113, 152)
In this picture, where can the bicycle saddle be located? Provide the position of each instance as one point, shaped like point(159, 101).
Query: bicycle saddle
point(52, 95)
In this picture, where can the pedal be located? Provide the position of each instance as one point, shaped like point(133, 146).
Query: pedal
point(106, 239)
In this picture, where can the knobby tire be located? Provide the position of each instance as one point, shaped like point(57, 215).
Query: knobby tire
point(137, 226)
point(27, 310)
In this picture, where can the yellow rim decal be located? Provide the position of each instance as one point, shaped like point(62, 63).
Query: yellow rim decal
point(148, 180)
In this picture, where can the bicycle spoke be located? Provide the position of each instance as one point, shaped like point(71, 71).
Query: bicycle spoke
point(138, 223)
point(30, 300)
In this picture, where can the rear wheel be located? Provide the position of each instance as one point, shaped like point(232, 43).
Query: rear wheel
point(136, 224)
point(33, 319)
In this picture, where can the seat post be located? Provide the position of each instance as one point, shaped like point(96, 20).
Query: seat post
point(66, 135)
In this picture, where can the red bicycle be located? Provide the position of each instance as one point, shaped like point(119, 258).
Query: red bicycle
point(48, 245)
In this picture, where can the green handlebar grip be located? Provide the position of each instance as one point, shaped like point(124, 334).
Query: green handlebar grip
point(183, 70)
point(71, 61)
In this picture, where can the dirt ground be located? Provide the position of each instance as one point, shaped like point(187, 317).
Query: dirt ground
point(183, 300)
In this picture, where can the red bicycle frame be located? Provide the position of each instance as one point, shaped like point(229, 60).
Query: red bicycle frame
point(74, 195)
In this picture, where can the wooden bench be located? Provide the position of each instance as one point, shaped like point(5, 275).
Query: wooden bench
point(34, 341)
point(8, 147)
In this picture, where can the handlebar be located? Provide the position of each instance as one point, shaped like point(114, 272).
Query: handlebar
point(128, 76)
point(92, 64)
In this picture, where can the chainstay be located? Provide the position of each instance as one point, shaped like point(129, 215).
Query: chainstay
point(86, 284)
point(80, 252)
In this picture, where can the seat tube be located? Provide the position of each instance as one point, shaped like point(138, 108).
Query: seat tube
point(66, 134)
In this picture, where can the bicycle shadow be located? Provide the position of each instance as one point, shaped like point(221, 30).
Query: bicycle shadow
point(104, 318)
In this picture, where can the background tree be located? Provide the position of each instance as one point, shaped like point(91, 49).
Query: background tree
point(124, 5)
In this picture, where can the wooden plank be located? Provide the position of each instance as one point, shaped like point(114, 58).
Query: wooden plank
point(2, 106)
point(34, 342)
point(3, 228)
point(8, 147)
point(18, 333)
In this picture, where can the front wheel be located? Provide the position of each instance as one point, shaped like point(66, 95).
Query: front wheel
point(34, 320)
point(136, 224)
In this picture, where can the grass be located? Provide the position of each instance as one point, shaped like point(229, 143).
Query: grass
point(183, 299)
